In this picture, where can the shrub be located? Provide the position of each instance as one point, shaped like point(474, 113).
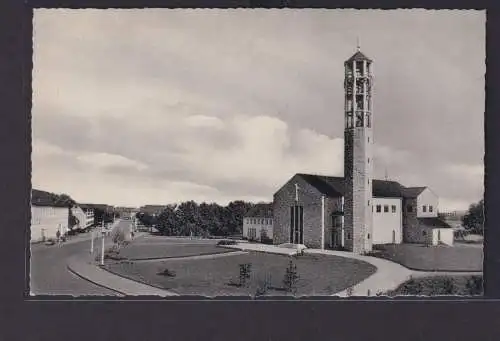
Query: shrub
point(291, 278)
point(264, 286)
point(266, 240)
point(50, 241)
point(441, 285)
point(167, 273)
point(474, 285)
point(349, 291)
point(227, 242)
point(245, 273)
point(447, 286)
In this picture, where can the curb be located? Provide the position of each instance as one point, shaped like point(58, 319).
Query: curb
point(208, 255)
point(93, 282)
point(125, 292)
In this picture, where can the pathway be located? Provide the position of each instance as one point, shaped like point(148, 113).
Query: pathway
point(388, 276)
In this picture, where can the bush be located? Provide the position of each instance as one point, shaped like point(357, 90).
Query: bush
point(474, 285)
point(50, 241)
point(245, 274)
point(263, 286)
point(441, 285)
point(265, 240)
point(227, 242)
point(167, 273)
point(291, 278)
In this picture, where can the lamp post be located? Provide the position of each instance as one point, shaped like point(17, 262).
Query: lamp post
point(91, 242)
point(102, 248)
point(322, 222)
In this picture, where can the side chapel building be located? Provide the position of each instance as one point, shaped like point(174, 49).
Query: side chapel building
point(355, 212)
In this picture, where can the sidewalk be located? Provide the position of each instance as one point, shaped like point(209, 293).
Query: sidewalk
point(388, 276)
point(85, 266)
point(82, 266)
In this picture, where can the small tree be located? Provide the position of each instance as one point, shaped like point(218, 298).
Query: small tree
point(264, 286)
point(118, 238)
point(291, 278)
point(245, 274)
point(474, 219)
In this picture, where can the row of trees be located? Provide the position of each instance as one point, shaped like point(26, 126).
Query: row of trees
point(199, 219)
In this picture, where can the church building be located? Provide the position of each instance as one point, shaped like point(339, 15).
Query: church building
point(355, 212)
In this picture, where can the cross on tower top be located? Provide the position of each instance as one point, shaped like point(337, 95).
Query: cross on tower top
point(358, 48)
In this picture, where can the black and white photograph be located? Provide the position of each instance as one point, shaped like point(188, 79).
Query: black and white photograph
point(257, 152)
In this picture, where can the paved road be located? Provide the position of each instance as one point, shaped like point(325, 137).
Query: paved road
point(49, 273)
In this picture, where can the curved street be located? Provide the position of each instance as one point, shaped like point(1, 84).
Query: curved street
point(49, 274)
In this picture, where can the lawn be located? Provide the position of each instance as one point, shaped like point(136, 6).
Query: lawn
point(433, 258)
point(441, 285)
point(136, 251)
point(318, 274)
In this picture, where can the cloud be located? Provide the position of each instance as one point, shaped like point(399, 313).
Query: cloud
point(105, 160)
point(153, 106)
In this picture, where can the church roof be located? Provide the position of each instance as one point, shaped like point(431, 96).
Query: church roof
point(358, 56)
point(413, 192)
point(335, 186)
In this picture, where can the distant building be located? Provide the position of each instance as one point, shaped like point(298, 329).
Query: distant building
point(258, 223)
point(152, 209)
point(123, 212)
point(85, 215)
point(94, 212)
point(47, 216)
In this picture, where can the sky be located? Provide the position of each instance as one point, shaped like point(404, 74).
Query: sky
point(157, 106)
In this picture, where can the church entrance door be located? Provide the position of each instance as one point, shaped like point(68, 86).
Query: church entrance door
point(297, 225)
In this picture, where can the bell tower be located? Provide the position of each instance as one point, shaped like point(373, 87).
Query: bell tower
point(358, 160)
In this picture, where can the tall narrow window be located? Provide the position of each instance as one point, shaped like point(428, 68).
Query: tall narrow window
point(379, 208)
point(409, 208)
point(386, 208)
point(430, 208)
point(297, 225)
point(424, 208)
point(393, 208)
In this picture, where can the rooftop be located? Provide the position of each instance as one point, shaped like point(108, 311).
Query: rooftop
point(335, 187)
point(358, 56)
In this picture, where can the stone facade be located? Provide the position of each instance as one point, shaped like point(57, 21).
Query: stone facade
point(358, 196)
point(310, 200)
point(411, 231)
point(358, 170)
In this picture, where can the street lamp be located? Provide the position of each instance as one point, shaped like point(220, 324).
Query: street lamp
point(102, 248)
